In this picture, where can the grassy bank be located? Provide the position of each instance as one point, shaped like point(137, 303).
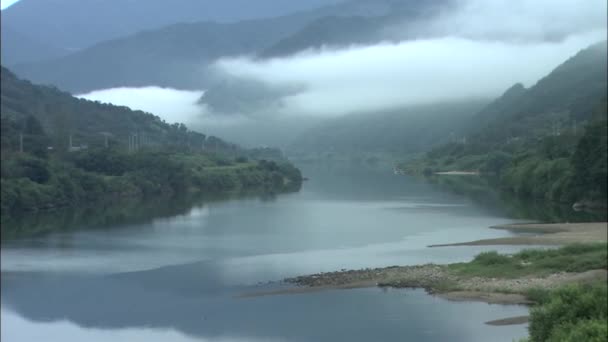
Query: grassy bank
point(489, 277)
point(565, 286)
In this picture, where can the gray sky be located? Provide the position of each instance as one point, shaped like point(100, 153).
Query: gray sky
point(5, 3)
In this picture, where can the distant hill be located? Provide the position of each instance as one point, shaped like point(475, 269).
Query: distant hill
point(19, 48)
point(46, 111)
point(78, 24)
point(407, 131)
point(547, 142)
point(569, 94)
point(177, 55)
point(395, 24)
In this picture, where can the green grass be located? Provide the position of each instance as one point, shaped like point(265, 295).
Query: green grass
point(539, 262)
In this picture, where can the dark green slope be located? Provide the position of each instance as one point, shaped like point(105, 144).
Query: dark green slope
point(547, 142)
point(61, 115)
point(566, 96)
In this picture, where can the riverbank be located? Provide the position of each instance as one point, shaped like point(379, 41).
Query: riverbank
point(32, 184)
point(544, 234)
point(490, 277)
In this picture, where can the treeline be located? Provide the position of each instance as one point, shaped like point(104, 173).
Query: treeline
point(31, 183)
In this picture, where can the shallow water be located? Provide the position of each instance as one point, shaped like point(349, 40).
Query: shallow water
point(177, 278)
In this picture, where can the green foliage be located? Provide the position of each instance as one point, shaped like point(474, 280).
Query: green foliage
point(532, 138)
point(161, 160)
point(590, 162)
point(30, 183)
point(491, 259)
point(571, 258)
point(592, 330)
point(572, 313)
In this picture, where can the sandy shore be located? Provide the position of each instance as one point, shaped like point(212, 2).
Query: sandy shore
point(510, 321)
point(439, 280)
point(458, 173)
point(546, 234)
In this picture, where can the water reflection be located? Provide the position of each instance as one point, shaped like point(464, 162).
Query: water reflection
point(172, 269)
point(484, 192)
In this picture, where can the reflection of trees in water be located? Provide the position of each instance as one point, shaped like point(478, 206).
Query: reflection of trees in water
point(485, 192)
point(117, 214)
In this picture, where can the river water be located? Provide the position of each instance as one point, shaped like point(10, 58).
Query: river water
point(177, 276)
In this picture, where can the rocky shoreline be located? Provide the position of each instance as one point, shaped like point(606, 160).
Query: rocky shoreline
point(439, 280)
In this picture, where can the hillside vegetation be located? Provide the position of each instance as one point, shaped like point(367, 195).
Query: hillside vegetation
point(58, 151)
point(545, 142)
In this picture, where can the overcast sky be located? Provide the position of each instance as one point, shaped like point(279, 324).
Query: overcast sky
point(5, 3)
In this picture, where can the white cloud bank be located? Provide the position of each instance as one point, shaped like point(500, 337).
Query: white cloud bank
point(387, 76)
point(479, 49)
point(170, 104)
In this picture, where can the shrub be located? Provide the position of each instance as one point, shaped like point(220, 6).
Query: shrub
point(568, 306)
point(491, 258)
point(593, 330)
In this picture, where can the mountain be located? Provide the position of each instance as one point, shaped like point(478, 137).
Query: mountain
point(60, 151)
point(19, 48)
point(54, 114)
point(396, 21)
point(78, 24)
point(406, 131)
point(547, 142)
point(567, 95)
point(177, 55)
point(174, 56)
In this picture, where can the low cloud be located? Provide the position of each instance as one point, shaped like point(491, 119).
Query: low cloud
point(523, 21)
point(170, 104)
point(388, 76)
point(474, 49)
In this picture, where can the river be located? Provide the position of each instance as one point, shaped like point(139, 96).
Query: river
point(176, 276)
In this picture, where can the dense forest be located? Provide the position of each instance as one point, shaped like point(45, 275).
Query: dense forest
point(545, 142)
point(58, 151)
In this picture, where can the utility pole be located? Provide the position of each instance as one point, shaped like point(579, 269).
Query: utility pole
point(21, 142)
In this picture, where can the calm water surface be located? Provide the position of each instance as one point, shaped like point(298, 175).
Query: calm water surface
point(177, 278)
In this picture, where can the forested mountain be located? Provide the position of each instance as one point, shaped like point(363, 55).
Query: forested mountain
point(399, 21)
point(19, 48)
point(177, 55)
point(78, 24)
point(406, 131)
point(60, 115)
point(566, 96)
point(548, 141)
point(58, 150)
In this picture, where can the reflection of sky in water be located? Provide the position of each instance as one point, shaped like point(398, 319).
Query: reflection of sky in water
point(352, 315)
point(168, 273)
